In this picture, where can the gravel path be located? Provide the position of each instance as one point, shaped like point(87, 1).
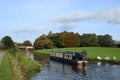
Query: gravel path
point(1, 56)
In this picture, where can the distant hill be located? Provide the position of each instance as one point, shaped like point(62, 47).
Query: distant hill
point(117, 42)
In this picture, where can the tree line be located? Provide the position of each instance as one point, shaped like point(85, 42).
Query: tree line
point(63, 40)
point(71, 39)
point(7, 43)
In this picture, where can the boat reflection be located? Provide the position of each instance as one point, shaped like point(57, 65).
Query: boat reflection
point(68, 69)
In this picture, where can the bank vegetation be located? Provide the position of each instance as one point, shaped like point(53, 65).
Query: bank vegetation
point(17, 66)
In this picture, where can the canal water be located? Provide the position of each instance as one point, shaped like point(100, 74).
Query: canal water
point(52, 70)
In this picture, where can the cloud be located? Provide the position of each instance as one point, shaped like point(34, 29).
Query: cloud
point(74, 17)
point(68, 26)
point(29, 30)
point(111, 16)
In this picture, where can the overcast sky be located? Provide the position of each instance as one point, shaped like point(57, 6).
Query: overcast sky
point(28, 19)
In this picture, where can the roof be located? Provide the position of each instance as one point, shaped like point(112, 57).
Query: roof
point(26, 47)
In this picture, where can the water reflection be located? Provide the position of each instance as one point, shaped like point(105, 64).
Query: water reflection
point(80, 69)
point(100, 64)
point(67, 69)
point(60, 71)
point(32, 56)
point(52, 70)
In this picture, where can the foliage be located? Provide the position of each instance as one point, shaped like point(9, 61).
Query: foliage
point(118, 45)
point(2, 48)
point(78, 37)
point(89, 40)
point(27, 43)
point(7, 42)
point(43, 42)
point(22, 66)
point(65, 39)
point(71, 39)
point(57, 39)
point(13, 51)
point(5, 71)
point(105, 40)
point(29, 67)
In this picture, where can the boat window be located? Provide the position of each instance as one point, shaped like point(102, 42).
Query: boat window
point(59, 54)
point(68, 56)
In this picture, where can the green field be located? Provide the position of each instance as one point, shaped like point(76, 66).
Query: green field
point(93, 52)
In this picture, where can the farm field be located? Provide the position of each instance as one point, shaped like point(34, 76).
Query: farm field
point(92, 52)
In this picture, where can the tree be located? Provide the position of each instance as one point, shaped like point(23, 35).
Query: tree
point(57, 39)
point(27, 43)
point(43, 42)
point(108, 40)
point(105, 40)
point(118, 45)
point(78, 37)
point(71, 39)
point(64, 39)
point(49, 34)
point(89, 40)
point(7, 42)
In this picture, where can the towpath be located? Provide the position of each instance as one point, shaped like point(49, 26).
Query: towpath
point(1, 56)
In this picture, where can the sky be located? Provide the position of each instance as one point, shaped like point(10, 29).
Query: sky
point(28, 19)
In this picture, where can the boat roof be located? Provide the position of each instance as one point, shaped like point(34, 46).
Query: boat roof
point(68, 52)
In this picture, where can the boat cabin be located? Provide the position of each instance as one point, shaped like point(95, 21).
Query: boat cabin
point(74, 56)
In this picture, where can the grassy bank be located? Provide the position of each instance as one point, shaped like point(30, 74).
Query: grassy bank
point(17, 66)
point(93, 52)
point(23, 68)
point(5, 71)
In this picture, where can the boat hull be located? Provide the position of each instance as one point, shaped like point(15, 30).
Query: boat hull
point(67, 61)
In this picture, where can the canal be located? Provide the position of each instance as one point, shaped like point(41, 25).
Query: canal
point(52, 70)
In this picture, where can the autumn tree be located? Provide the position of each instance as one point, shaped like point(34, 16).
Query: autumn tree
point(71, 39)
point(65, 39)
point(43, 42)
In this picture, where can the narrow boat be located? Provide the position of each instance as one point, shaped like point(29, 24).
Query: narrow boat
point(77, 58)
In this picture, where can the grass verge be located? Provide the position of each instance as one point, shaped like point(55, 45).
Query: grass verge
point(5, 71)
point(17, 66)
point(23, 68)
